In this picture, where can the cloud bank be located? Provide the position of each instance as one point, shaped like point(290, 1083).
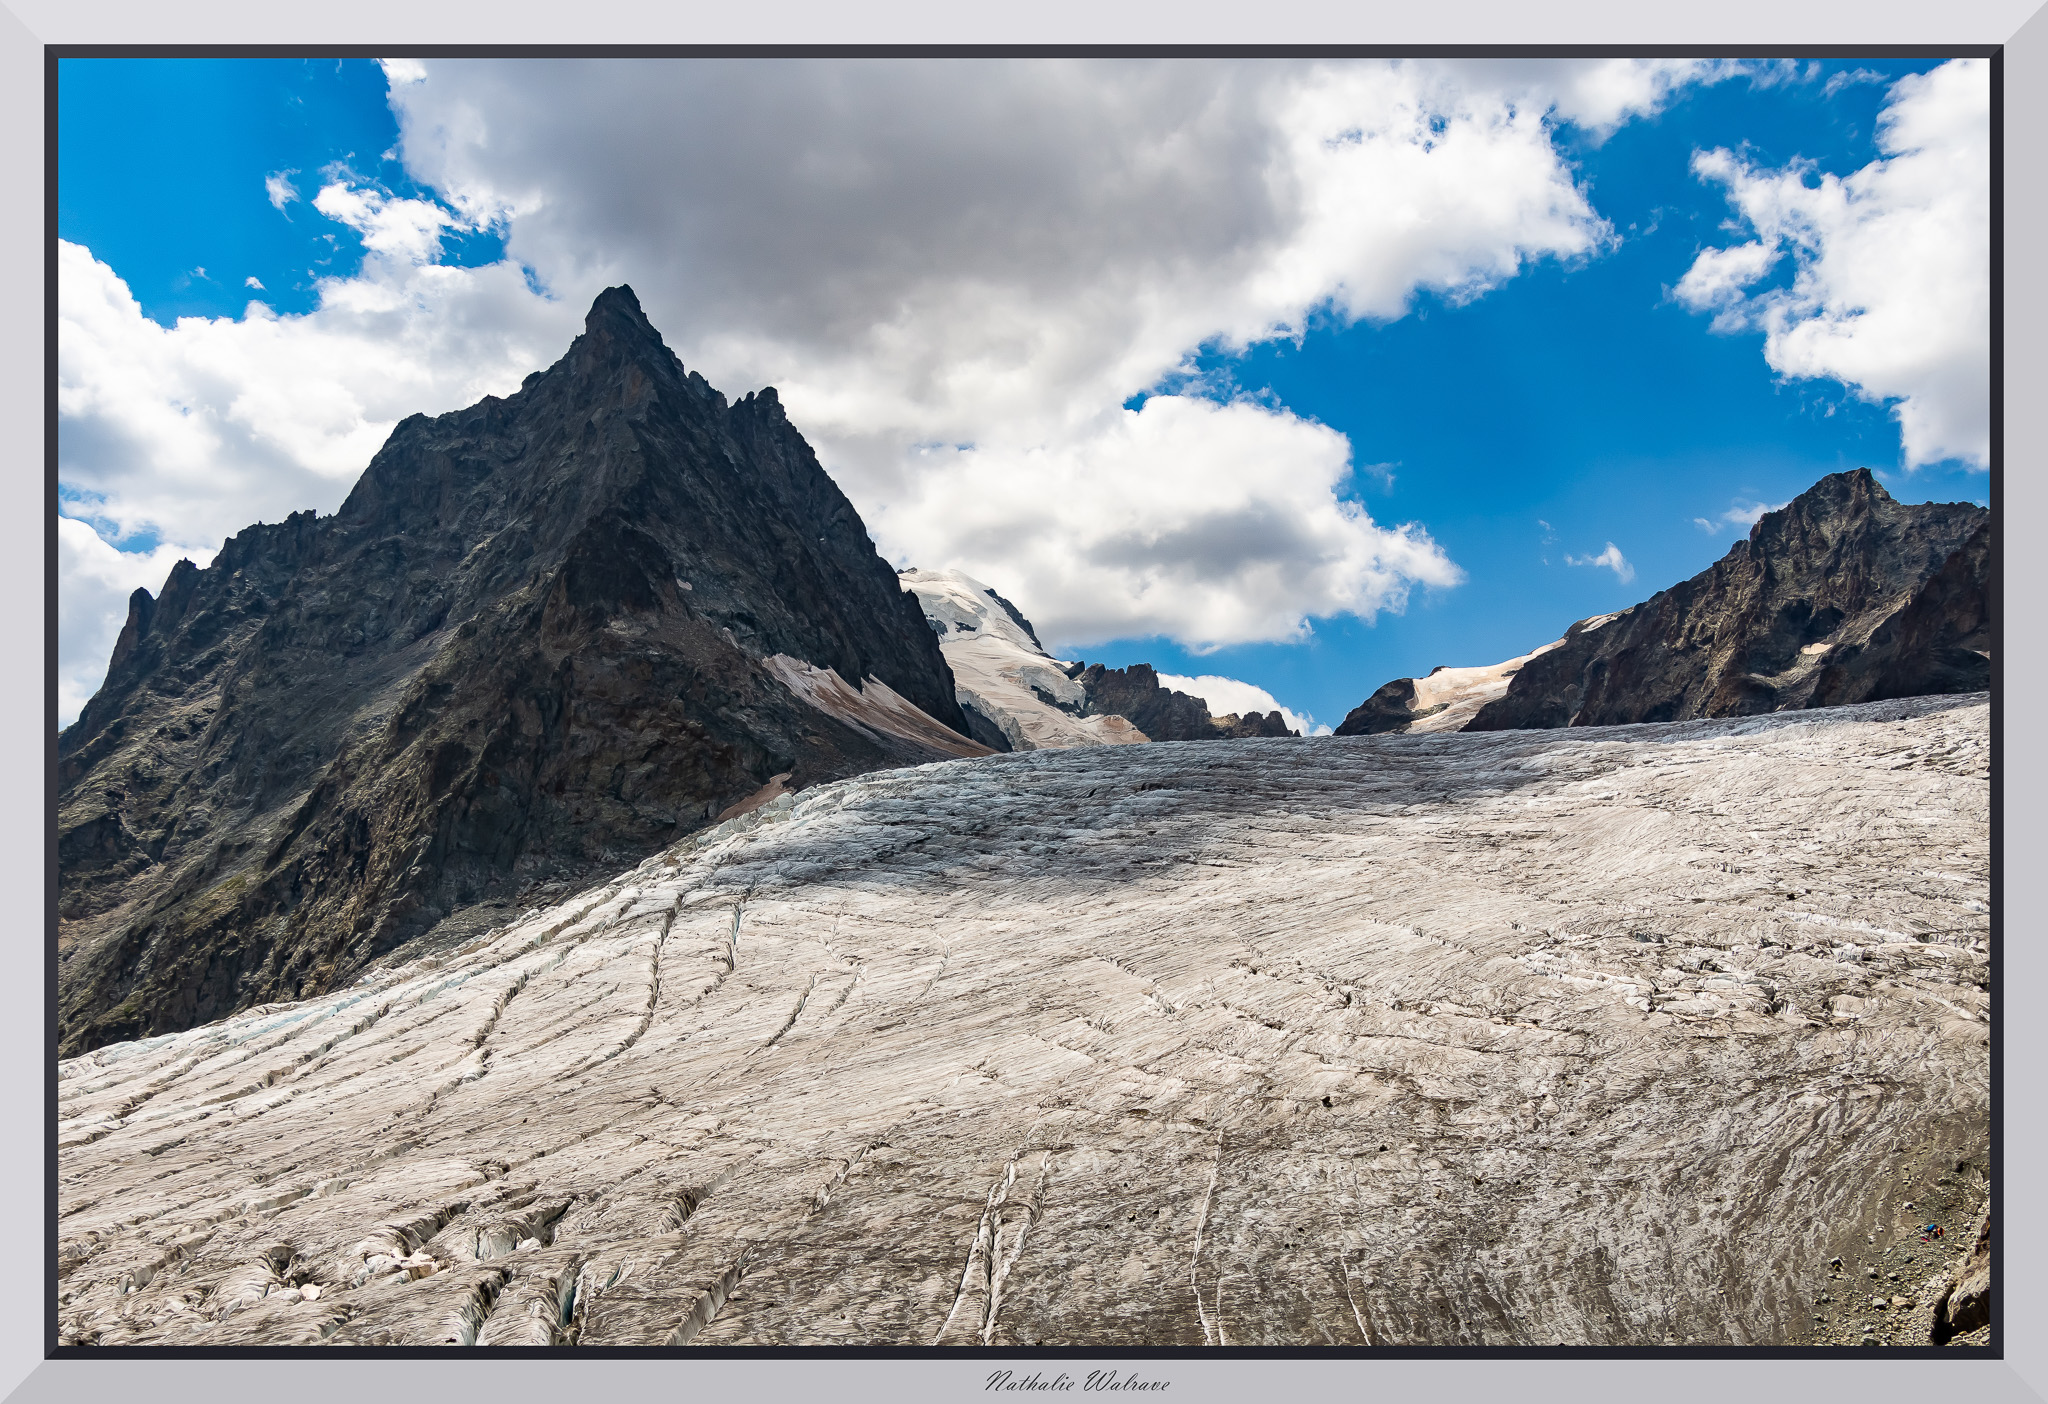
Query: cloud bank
point(1228, 695)
point(958, 275)
point(1892, 291)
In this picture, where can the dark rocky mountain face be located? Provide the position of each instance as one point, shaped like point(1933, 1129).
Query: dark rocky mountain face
point(1134, 694)
point(1390, 708)
point(1844, 595)
point(985, 729)
point(529, 643)
point(1253, 724)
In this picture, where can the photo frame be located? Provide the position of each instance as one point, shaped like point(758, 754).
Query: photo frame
point(1184, 1376)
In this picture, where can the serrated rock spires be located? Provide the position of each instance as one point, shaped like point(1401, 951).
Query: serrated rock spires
point(532, 642)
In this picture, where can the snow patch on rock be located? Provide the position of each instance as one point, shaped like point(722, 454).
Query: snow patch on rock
point(874, 706)
point(1450, 697)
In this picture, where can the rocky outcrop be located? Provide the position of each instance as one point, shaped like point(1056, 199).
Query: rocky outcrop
point(536, 641)
point(1465, 1040)
point(1843, 595)
point(1965, 1301)
point(1163, 714)
point(1234, 726)
point(1446, 700)
point(1939, 643)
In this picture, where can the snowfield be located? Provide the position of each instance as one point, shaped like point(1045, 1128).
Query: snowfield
point(1000, 670)
point(1450, 697)
point(1609, 1037)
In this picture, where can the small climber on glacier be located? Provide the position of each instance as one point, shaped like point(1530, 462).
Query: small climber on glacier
point(1930, 1232)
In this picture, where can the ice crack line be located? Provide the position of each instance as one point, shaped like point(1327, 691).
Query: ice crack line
point(479, 1060)
point(1195, 1262)
point(1344, 1274)
point(794, 1015)
point(714, 1297)
point(989, 1261)
point(668, 924)
point(646, 1019)
point(1033, 1206)
point(978, 1251)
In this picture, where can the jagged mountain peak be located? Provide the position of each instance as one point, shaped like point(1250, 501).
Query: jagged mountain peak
point(542, 632)
point(1830, 505)
point(617, 332)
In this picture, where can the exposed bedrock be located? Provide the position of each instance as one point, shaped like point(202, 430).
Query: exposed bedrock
point(1614, 1037)
point(534, 645)
point(1446, 700)
point(1163, 714)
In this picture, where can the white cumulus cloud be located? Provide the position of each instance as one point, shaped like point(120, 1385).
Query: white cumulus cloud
point(278, 186)
point(1227, 695)
point(406, 229)
point(1742, 514)
point(194, 431)
point(1211, 523)
point(1612, 559)
point(1892, 291)
point(957, 273)
point(1000, 255)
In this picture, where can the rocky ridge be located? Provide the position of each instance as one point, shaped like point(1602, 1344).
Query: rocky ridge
point(1643, 1036)
point(1163, 714)
point(1018, 697)
point(538, 640)
point(1842, 595)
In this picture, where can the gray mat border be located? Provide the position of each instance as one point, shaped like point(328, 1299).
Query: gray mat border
point(27, 24)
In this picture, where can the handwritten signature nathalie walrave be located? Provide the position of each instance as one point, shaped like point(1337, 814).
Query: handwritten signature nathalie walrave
point(1063, 1383)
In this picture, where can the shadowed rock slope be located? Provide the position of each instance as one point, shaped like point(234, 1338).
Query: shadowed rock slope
point(544, 634)
point(1843, 595)
point(1516, 1039)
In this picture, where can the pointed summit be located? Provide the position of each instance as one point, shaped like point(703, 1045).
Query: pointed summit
point(616, 333)
point(616, 312)
point(620, 300)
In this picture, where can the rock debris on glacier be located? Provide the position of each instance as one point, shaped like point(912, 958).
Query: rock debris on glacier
point(1607, 1037)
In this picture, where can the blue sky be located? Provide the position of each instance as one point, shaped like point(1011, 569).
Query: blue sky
point(1573, 405)
point(163, 171)
point(1583, 397)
